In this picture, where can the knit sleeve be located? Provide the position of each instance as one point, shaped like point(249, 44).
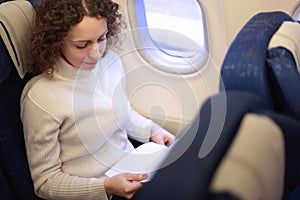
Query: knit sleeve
point(41, 131)
point(140, 128)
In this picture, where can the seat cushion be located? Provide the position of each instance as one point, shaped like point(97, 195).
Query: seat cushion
point(254, 165)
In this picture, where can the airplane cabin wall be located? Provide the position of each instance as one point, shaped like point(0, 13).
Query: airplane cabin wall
point(237, 13)
point(173, 100)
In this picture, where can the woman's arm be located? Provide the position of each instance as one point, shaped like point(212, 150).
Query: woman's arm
point(145, 130)
point(41, 132)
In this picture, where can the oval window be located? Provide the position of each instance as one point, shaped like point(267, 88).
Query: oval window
point(171, 34)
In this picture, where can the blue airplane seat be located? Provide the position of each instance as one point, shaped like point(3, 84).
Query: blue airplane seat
point(12, 150)
point(283, 65)
point(15, 179)
point(291, 132)
point(271, 72)
point(244, 67)
point(1, 1)
point(33, 1)
point(190, 175)
point(6, 191)
point(285, 82)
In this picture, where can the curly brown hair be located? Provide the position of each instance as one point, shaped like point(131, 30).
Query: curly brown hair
point(53, 21)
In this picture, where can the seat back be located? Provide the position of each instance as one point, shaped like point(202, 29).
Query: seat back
point(191, 174)
point(285, 81)
point(283, 66)
point(256, 64)
point(15, 179)
point(283, 61)
point(244, 67)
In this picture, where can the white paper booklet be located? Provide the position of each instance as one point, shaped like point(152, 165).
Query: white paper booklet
point(144, 159)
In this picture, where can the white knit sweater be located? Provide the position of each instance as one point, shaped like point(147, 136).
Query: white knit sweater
point(76, 127)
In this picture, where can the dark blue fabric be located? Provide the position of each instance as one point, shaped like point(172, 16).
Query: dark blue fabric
point(12, 151)
point(272, 75)
point(13, 158)
point(5, 192)
point(222, 196)
point(244, 66)
point(294, 195)
point(291, 132)
point(285, 82)
point(15, 179)
point(212, 196)
point(34, 1)
point(189, 176)
point(2, 1)
point(5, 62)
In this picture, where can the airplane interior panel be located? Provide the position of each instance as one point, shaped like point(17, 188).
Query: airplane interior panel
point(221, 21)
point(215, 82)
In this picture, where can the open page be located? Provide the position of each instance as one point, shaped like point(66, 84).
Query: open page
point(144, 159)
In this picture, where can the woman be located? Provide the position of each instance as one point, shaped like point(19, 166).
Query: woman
point(75, 113)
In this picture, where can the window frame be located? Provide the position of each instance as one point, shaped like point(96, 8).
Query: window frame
point(152, 54)
point(296, 12)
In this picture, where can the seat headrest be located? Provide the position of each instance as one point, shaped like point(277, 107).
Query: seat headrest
point(15, 22)
point(288, 36)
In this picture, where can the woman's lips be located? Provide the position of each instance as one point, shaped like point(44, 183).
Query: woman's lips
point(91, 63)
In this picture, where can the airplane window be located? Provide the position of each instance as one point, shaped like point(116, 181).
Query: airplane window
point(172, 34)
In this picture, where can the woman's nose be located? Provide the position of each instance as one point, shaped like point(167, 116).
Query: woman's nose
point(95, 52)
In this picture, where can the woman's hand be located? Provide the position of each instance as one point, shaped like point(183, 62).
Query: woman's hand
point(161, 136)
point(124, 185)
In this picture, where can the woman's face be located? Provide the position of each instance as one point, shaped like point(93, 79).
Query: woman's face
point(86, 42)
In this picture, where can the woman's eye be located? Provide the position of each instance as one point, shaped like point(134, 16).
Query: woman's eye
point(81, 46)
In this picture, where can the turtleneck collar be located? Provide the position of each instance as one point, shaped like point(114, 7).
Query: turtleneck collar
point(67, 71)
